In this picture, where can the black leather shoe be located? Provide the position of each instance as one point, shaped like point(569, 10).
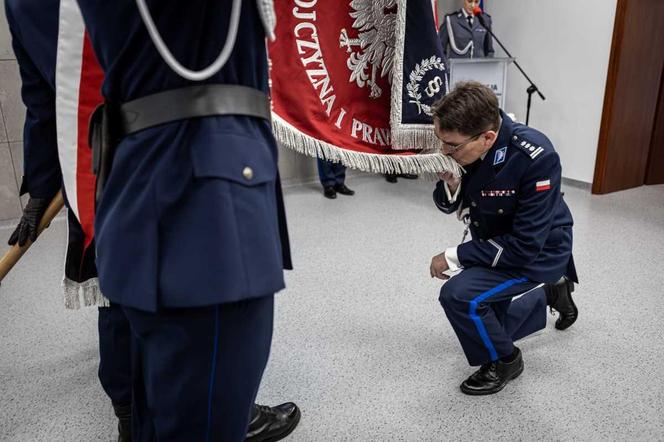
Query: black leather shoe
point(492, 377)
point(408, 176)
point(343, 189)
point(123, 414)
point(559, 298)
point(391, 177)
point(329, 192)
point(270, 424)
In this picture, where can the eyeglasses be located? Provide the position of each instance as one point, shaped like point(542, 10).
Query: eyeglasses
point(455, 147)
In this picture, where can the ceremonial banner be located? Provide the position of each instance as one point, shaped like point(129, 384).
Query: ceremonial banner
point(420, 77)
point(78, 92)
point(335, 67)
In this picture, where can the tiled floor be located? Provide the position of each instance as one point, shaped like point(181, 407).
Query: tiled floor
point(361, 343)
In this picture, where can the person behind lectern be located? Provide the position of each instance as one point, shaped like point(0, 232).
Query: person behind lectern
point(462, 35)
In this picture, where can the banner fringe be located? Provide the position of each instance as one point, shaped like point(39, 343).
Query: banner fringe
point(404, 135)
point(88, 291)
point(295, 140)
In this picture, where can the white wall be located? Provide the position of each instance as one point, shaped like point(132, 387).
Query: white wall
point(564, 46)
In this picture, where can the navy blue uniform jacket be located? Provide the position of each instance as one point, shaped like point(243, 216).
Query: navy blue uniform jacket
point(180, 223)
point(34, 28)
point(518, 219)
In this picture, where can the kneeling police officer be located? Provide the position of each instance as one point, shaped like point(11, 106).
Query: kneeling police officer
point(521, 235)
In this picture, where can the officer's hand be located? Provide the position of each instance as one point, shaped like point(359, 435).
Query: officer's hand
point(438, 266)
point(451, 180)
point(29, 224)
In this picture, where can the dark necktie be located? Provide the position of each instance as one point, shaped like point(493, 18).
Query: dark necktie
point(470, 21)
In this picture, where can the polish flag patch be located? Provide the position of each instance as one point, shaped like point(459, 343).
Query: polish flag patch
point(541, 186)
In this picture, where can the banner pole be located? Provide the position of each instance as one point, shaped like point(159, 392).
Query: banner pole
point(15, 253)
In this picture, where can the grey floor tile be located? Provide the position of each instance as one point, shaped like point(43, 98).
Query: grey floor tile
point(3, 127)
point(6, 51)
point(9, 201)
point(10, 99)
point(361, 343)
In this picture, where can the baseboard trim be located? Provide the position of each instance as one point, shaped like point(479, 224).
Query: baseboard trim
point(577, 184)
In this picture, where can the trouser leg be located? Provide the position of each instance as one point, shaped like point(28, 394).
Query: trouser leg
point(326, 172)
point(339, 173)
point(467, 300)
point(198, 370)
point(115, 354)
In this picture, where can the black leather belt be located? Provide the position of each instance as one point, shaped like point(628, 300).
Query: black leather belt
point(110, 123)
point(193, 102)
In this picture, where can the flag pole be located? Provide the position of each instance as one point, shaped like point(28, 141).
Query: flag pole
point(15, 253)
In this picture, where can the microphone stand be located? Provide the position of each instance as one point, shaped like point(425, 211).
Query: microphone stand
point(532, 88)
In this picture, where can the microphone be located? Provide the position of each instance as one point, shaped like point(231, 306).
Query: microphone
point(477, 12)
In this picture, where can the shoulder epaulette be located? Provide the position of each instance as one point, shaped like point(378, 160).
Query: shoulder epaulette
point(533, 150)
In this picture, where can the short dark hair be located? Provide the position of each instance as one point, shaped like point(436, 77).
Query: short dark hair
point(469, 109)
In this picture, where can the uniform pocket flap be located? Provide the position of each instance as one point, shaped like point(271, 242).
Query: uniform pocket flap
point(245, 160)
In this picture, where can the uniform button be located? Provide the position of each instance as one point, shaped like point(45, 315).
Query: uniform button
point(500, 211)
point(248, 173)
point(515, 137)
point(473, 203)
point(476, 223)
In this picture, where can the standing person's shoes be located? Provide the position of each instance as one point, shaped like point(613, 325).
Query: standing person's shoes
point(392, 177)
point(344, 190)
point(329, 192)
point(492, 377)
point(408, 176)
point(270, 424)
point(559, 298)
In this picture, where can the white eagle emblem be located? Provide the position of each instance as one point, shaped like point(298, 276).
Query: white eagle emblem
point(375, 21)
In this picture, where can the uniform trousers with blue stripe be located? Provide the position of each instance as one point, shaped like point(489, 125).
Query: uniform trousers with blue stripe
point(479, 305)
point(197, 370)
point(115, 363)
point(331, 174)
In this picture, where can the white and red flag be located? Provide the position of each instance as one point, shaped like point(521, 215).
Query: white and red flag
point(78, 83)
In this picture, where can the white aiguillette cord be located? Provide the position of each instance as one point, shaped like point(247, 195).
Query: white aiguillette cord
point(170, 60)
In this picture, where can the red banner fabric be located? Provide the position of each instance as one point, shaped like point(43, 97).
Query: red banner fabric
point(331, 69)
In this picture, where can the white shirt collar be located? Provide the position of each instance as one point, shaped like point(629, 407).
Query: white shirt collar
point(465, 13)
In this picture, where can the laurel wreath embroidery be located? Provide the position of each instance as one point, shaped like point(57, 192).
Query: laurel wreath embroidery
point(416, 76)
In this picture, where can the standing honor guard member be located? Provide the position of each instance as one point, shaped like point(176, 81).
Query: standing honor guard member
point(333, 176)
point(190, 226)
point(462, 35)
point(34, 29)
point(521, 235)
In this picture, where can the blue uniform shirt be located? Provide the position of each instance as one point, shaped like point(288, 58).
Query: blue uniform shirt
point(189, 215)
point(518, 219)
point(34, 28)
